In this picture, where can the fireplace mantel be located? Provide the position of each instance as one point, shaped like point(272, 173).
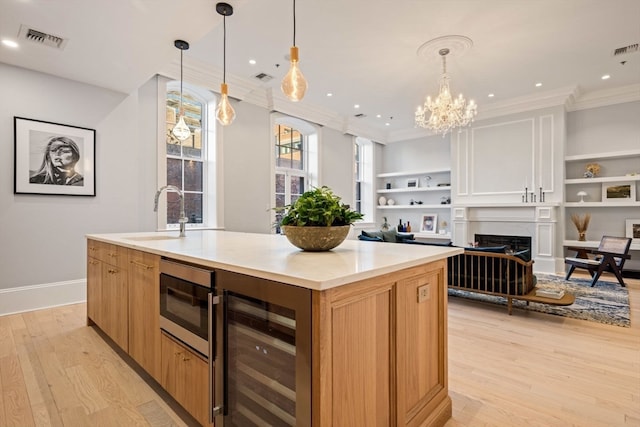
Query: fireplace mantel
point(537, 220)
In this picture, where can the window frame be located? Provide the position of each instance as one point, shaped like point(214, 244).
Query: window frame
point(210, 153)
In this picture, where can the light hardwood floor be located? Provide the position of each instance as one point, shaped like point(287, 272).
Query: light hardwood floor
point(528, 369)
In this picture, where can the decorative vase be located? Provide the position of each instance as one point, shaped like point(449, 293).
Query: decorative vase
point(316, 239)
point(582, 236)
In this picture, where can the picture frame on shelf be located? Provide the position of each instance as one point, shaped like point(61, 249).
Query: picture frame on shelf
point(429, 223)
point(412, 183)
point(633, 230)
point(53, 158)
point(624, 191)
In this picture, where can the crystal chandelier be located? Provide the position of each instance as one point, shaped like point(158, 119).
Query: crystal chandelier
point(446, 113)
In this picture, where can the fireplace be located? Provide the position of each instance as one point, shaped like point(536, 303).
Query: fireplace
point(514, 243)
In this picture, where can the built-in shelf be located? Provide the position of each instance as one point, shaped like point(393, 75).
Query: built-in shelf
point(625, 178)
point(413, 173)
point(508, 205)
point(423, 206)
point(600, 204)
point(601, 156)
point(415, 189)
point(592, 244)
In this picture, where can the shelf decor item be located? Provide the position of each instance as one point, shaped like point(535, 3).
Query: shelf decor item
point(318, 220)
point(633, 230)
point(581, 223)
point(412, 182)
point(53, 159)
point(592, 170)
point(619, 191)
point(429, 223)
point(582, 195)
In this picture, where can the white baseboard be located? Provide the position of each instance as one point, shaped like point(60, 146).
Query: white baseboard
point(35, 297)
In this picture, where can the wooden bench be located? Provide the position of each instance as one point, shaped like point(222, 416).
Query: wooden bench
point(499, 274)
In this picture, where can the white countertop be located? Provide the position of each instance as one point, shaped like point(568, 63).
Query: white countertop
point(272, 257)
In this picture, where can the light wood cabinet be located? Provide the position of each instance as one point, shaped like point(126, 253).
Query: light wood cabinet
point(379, 351)
point(107, 290)
point(144, 311)
point(185, 377)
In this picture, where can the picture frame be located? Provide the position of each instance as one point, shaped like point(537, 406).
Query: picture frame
point(623, 191)
point(53, 158)
point(633, 230)
point(429, 223)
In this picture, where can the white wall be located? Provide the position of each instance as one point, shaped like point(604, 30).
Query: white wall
point(336, 163)
point(246, 161)
point(43, 236)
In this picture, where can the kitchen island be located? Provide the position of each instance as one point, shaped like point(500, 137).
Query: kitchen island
point(370, 334)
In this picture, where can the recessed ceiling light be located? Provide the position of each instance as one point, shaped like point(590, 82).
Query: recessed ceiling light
point(538, 84)
point(9, 43)
point(356, 106)
point(378, 115)
point(491, 95)
point(387, 124)
point(606, 77)
point(252, 61)
point(329, 94)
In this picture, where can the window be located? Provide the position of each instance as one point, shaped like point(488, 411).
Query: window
point(189, 164)
point(295, 161)
point(363, 178)
point(291, 175)
point(358, 176)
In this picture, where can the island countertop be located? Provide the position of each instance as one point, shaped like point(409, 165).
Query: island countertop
point(272, 257)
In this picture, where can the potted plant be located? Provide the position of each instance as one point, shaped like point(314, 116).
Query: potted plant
point(318, 220)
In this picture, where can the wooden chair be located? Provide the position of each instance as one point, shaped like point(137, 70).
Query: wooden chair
point(609, 257)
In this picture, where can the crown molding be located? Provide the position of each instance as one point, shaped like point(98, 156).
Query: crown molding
point(602, 98)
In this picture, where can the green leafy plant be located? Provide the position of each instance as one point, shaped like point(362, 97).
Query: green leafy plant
point(318, 207)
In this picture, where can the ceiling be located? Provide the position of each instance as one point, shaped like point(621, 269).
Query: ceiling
point(364, 52)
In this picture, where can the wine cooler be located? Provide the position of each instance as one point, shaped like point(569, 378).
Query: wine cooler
point(264, 352)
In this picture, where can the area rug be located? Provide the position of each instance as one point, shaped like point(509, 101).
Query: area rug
point(606, 302)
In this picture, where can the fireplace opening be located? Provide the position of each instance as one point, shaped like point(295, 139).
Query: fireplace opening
point(513, 243)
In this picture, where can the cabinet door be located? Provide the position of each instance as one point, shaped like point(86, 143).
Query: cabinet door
point(115, 304)
point(94, 291)
point(144, 311)
point(421, 344)
point(185, 377)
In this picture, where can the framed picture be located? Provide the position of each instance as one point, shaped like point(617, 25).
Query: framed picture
point(52, 158)
point(429, 223)
point(619, 191)
point(633, 230)
point(412, 182)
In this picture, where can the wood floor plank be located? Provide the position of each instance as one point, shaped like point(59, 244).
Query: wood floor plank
point(17, 410)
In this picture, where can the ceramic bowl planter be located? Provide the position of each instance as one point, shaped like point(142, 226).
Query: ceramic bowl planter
point(316, 239)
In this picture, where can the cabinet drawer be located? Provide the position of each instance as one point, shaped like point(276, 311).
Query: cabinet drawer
point(108, 253)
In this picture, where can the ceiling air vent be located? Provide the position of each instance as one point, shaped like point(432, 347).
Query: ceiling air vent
point(263, 77)
point(632, 48)
point(41, 37)
point(360, 115)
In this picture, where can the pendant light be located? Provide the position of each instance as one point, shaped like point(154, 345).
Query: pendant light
point(294, 84)
point(225, 112)
point(181, 130)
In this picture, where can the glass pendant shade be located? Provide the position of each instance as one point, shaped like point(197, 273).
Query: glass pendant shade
point(225, 112)
point(181, 130)
point(294, 85)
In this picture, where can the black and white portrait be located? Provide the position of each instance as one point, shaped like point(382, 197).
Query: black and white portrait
point(52, 158)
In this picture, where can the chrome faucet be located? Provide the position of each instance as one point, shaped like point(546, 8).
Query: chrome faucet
point(183, 218)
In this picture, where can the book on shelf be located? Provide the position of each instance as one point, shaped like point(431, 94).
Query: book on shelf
point(548, 293)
